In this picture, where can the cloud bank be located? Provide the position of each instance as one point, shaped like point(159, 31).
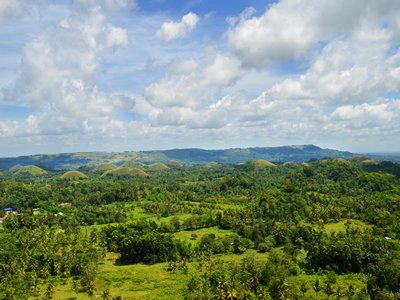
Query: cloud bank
point(327, 72)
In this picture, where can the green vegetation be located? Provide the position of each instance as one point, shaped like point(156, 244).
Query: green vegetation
point(184, 156)
point(133, 164)
point(157, 167)
point(174, 164)
point(73, 174)
point(16, 168)
point(326, 229)
point(125, 171)
point(28, 170)
point(360, 158)
point(211, 164)
point(369, 161)
point(260, 163)
point(104, 167)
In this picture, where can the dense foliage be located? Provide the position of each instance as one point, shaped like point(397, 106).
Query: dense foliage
point(60, 229)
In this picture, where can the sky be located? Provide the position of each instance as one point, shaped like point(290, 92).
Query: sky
point(131, 75)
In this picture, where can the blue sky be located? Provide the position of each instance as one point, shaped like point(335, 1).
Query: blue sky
point(119, 75)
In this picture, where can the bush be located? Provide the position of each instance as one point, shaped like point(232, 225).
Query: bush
point(264, 247)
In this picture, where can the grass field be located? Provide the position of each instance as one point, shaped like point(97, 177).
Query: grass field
point(130, 282)
point(141, 281)
point(186, 235)
point(341, 226)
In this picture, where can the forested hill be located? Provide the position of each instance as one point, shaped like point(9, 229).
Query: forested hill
point(185, 156)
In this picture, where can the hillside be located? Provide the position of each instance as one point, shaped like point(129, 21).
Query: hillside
point(193, 156)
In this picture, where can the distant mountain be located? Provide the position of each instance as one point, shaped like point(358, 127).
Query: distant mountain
point(185, 156)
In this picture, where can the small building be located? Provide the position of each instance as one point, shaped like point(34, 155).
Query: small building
point(8, 210)
point(36, 211)
point(388, 238)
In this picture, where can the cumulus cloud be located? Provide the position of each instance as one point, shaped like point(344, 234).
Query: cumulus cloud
point(58, 79)
point(60, 68)
point(290, 27)
point(197, 87)
point(186, 95)
point(366, 115)
point(175, 30)
point(345, 73)
point(276, 121)
point(202, 97)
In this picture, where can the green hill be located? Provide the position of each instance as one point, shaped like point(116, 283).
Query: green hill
point(260, 163)
point(211, 164)
point(360, 158)
point(301, 153)
point(16, 168)
point(104, 167)
point(30, 170)
point(369, 162)
point(174, 164)
point(158, 167)
point(73, 174)
point(125, 171)
point(134, 164)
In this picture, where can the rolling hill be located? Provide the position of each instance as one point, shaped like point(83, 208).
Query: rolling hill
point(68, 161)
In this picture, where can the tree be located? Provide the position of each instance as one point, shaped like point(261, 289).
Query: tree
point(106, 295)
point(49, 291)
point(317, 288)
point(303, 288)
point(350, 291)
point(328, 289)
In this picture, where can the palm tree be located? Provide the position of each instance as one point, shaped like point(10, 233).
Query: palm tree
point(49, 291)
point(106, 295)
point(328, 289)
point(91, 288)
point(303, 288)
point(316, 287)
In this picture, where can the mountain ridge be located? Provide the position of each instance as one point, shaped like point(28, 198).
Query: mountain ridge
point(188, 156)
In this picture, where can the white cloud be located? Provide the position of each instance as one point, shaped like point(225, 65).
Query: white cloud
point(85, 6)
point(197, 88)
point(16, 8)
point(174, 30)
point(182, 67)
point(246, 14)
point(288, 28)
point(366, 115)
point(190, 97)
point(58, 79)
point(354, 69)
point(60, 68)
